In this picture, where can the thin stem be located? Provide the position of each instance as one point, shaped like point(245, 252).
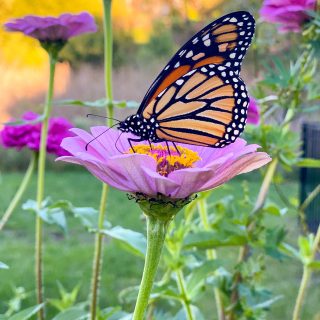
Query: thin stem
point(23, 186)
point(266, 185)
point(97, 260)
point(40, 186)
point(156, 232)
point(211, 255)
point(184, 294)
point(98, 252)
point(307, 273)
point(108, 41)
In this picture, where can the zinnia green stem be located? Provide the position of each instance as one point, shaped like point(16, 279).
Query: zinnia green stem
point(156, 232)
point(98, 252)
point(40, 187)
point(184, 294)
point(266, 185)
point(307, 273)
point(23, 186)
point(211, 255)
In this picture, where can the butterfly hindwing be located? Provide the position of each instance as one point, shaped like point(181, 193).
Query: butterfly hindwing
point(223, 42)
point(206, 106)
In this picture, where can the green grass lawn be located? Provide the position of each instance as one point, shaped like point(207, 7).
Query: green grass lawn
point(68, 258)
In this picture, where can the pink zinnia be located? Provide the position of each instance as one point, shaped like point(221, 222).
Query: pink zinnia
point(290, 14)
point(253, 112)
point(28, 135)
point(153, 171)
point(52, 29)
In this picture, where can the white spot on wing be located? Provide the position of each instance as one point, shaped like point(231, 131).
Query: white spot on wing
point(189, 54)
point(207, 43)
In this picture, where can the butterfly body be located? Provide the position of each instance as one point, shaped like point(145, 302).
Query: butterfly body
point(199, 98)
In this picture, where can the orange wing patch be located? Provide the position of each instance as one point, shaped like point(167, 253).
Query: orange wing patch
point(172, 77)
point(183, 137)
point(165, 99)
point(206, 86)
point(191, 83)
point(226, 37)
point(202, 126)
point(225, 104)
point(210, 60)
point(148, 111)
point(224, 117)
point(180, 108)
point(224, 28)
point(225, 91)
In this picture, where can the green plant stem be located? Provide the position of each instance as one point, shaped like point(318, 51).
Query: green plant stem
point(156, 232)
point(97, 260)
point(307, 273)
point(184, 294)
point(40, 186)
point(266, 185)
point(211, 255)
point(98, 251)
point(17, 197)
point(108, 42)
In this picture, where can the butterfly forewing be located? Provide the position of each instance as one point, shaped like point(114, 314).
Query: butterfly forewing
point(223, 42)
point(207, 106)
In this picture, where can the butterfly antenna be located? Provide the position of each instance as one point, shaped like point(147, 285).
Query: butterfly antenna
point(117, 142)
point(99, 116)
point(99, 135)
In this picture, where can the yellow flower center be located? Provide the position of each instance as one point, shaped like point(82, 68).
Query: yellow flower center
point(170, 159)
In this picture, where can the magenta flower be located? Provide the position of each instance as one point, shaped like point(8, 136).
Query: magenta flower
point(28, 135)
point(290, 14)
point(52, 29)
point(253, 112)
point(154, 171)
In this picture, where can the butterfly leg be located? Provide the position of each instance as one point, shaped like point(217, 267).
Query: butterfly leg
point(150, 145)
point(133, 140)
point(168, 148)
point(175, 146)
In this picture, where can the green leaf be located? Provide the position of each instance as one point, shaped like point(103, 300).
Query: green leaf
point(3, 265)
point(126, 104)
point(74, 313)
point(273, 209)
point(181, 315)
point(22, 122)
point(305, 246)
point(51, 214)
point(100, 103)
point(113, 313)
point(27, 313)
point(308, 163)
point(133, 241)
point(213, 239)
point(198, 276)
point(88, 217)
point(289, 250)
point(128, 294)
point(314, 265)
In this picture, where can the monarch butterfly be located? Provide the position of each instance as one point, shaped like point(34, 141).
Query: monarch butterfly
point(199, 98)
